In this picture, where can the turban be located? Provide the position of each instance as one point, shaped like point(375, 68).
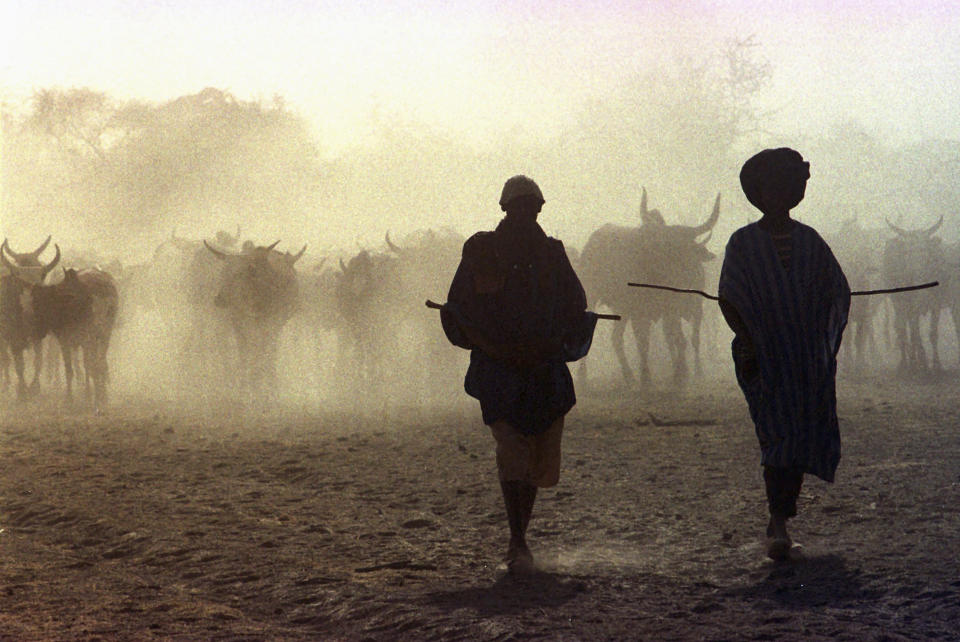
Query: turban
point(771, 166)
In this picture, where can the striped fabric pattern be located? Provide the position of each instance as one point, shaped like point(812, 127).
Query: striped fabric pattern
point(795, 318)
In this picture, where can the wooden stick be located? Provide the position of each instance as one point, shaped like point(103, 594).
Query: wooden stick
point(670, 289)
point(610, 317)
point(906, 288)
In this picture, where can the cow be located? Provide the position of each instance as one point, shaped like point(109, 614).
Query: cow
point(368, 297)
point(657, 253)
point(915, 256)
point(859, 252)
point(950, 287)
point(17, 329)
point(426, 260)
point(80, 311)
point(259, 293)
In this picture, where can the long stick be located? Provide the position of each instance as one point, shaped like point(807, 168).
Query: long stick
point(610, 317)
point(906, 288)
point(670, 289)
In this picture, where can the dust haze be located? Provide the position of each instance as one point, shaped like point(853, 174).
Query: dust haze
point(134, 182)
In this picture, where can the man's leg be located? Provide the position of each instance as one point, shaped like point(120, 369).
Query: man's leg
point(783, 488)
point(518, 498)
point(514, 452)
point(525, 463)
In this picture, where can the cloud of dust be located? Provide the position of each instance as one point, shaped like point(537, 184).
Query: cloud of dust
point(135, 186)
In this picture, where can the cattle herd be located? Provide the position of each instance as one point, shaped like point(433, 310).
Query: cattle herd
point(233, 319)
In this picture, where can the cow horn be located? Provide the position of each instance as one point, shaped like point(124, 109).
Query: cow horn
point(643, 205)
point(343, 266)
point(296, 257)
point(710, 222)
point(217, 253)
point(3, 254)
point(898, 230)
point(706, 240)
point(52, 264)
point(393, 247)
point(20, 257)
point(272, 245)
point(930, 231)
point(37, 252)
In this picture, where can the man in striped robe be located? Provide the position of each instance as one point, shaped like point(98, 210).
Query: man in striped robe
point(786, 298)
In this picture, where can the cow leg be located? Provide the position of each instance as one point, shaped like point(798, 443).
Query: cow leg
point(90, 366)
point(37, 365)
point(917, 341)
point(673, 332)
point(641, 335)
point(935, 340)
point(864, 342)
point(582, 374)
point(900, 330)
point(695, 342)
point(616, 338)
point(4, 366)
point(21, 378)
point(66, 352)
point(955, 317)
point(97, 371)
point(871, 347)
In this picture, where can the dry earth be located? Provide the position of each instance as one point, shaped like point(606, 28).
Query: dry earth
point(154, 523)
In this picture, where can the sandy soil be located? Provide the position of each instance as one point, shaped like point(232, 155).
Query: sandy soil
point(150, 522)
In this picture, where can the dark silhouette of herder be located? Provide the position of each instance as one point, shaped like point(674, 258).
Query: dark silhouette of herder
point(518, 306)
point(785, 297)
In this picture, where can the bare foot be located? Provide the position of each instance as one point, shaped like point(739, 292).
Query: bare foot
point(778, 540)
point(520, 559)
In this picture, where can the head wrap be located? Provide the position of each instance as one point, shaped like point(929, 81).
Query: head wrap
point(771, 165)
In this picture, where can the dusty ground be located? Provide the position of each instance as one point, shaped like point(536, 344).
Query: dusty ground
point(150, 522)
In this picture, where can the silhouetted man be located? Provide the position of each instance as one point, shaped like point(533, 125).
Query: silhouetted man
point(517, 305)
point(785, 297)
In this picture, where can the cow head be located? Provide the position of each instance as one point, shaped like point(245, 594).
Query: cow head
point(257, 282)
point(683, 239)
point(27, 266)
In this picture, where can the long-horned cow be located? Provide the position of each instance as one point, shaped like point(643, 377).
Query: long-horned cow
point(425, 261)
point(22, 270)
point(859, 251)
point(81, 312)
point(368, 296)
point(915, 256)
point(652, 252)
point(259, 292)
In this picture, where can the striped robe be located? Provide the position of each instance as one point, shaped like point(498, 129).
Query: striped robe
point(795, 318)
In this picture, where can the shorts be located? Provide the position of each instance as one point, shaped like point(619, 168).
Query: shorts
point(534, 459)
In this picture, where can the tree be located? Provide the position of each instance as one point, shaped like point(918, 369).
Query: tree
point(114, 171)
point(674, 130)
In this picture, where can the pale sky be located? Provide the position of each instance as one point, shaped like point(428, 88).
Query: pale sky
point(480, 70)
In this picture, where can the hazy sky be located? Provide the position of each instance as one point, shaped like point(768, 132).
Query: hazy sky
point(484, 69)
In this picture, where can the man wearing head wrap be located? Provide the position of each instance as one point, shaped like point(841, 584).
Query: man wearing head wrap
point(517, 305)
point(785, 297)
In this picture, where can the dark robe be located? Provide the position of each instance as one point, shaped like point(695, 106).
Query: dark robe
point(516, 293)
